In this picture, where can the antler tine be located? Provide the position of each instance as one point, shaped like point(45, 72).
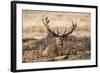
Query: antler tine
point(45, 21)
point(57, 32)
point(73, 27)
point(64, 31)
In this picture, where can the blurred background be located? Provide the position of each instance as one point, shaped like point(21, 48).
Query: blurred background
point(34, 28)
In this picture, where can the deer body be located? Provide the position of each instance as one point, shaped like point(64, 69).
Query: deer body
point(53, 50)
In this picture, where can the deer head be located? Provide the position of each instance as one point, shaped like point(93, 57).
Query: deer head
point(59, 38)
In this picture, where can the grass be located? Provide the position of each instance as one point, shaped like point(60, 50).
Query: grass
point(76, 48)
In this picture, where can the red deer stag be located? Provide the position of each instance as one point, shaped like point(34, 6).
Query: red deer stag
point(55, 50)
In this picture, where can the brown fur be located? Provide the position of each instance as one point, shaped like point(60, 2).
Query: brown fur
point(53, 50)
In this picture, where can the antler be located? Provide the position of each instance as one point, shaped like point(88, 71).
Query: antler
point(46, 21)
point(73, 27)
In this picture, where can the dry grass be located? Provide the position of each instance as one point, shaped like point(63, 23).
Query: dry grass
point(76, 48)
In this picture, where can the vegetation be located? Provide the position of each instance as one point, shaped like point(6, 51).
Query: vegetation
point(76, 48)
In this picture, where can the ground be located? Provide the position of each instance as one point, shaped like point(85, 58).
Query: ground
point(77, 48)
